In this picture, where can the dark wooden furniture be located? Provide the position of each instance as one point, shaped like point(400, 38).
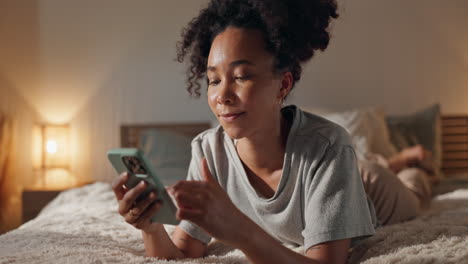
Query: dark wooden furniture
point(454, 144)
point(34, 201)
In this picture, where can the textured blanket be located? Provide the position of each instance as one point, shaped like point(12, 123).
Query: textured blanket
point(82, 226)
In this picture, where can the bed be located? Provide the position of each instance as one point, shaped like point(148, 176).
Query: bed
point(82, 225)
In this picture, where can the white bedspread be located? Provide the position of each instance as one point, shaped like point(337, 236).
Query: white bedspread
point(82, 226)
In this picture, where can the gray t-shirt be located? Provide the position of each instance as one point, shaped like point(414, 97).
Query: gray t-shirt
point(320, 196)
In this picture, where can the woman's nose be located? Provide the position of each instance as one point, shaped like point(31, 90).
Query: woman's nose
point(226, 94)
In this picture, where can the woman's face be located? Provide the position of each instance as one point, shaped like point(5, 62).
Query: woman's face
point(244, 93)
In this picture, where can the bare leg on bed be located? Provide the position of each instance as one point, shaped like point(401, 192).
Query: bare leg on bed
point(416, 156)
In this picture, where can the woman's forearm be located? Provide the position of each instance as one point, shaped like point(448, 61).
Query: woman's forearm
point(261, 248)
point(159, 244)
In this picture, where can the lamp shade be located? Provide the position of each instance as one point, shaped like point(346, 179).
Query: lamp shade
point(51, 146)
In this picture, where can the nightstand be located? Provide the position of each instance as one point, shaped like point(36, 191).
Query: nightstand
point(35, 200)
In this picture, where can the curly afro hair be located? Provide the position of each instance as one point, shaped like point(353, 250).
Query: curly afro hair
point(293, 30)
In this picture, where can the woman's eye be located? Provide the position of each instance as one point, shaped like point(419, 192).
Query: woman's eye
point(242, 78)
point(214, 82)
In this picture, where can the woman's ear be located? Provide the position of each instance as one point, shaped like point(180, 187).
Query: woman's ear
point(286, 84)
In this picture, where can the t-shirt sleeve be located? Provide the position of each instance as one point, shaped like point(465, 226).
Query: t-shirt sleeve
point(335, 202)
point(194, 174)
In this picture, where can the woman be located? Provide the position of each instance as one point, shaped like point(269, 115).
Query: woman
point(268, 174)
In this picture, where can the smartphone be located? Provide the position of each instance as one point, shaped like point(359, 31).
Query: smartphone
point(133, 161)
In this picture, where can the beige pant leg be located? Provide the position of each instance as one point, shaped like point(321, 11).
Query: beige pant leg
point(418, 182)
point(393, 201)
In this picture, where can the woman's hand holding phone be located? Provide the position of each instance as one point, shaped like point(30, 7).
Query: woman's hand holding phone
point(136, 213)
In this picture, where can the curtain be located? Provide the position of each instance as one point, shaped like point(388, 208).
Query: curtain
point(10, 200)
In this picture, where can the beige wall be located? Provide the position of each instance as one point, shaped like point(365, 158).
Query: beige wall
point(402, 55)
point(98, 64)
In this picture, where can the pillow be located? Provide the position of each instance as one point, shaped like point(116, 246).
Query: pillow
point(367, 128)
point(356, 125)
point(380, 135)
point(422, 127)
point(168, 152)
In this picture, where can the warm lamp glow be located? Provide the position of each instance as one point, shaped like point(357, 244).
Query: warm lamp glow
point(51, 147)
point(51, 143)
point(59, 179)
point(51, 157)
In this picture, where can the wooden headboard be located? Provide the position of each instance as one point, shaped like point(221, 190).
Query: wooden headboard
point(454, 144)
point(130, 134)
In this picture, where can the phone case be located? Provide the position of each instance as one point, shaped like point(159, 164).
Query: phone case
point(133, 161)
